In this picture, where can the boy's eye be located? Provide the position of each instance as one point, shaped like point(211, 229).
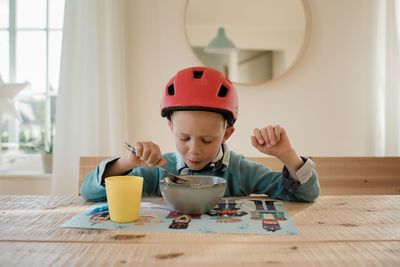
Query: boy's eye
point(184, 139)
point(207, 141)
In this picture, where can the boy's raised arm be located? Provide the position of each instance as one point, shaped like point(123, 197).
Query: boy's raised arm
point(274, 141)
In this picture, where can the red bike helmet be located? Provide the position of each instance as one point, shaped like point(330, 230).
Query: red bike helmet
point(200, 88)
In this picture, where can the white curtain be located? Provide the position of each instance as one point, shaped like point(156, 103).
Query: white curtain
point(91, 107)
point(387, 78)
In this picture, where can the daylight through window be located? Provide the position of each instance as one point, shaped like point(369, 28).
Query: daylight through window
point(30, 50)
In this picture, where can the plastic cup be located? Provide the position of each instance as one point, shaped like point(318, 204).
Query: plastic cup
point(124, 194)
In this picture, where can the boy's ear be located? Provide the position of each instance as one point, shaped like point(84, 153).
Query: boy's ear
point(228, 132)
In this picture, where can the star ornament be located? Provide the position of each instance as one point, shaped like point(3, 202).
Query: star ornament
point(7, 93)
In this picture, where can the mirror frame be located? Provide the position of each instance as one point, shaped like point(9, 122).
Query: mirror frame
point(300, 54)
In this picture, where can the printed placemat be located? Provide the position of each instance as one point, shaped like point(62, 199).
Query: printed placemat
point(243, 216)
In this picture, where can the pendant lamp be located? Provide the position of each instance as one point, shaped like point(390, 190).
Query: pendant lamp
point(220, 44)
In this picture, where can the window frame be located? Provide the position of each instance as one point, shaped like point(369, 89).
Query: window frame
point(49, 93)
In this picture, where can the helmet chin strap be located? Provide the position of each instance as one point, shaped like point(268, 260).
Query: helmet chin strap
point(217, 159)
point(220, 153)
point(225, 125)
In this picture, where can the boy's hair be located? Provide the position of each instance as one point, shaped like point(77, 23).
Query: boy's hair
point(200, 88)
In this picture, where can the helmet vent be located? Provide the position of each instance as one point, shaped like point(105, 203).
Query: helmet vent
point(171, 89)
point(223, 91)
point(197, 74)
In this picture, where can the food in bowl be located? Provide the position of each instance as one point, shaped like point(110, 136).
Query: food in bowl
point(197, 197)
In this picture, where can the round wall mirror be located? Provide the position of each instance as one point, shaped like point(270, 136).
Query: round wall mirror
point(251, 41)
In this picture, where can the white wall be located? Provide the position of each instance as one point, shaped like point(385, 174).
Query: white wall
point(29, 178)
point(324, 101)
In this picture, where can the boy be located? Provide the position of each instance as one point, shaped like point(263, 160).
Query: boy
point(201, 106)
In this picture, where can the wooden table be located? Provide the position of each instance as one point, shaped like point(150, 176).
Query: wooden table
point(335, 230)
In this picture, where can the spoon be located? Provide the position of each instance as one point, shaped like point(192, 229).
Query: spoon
point(171, 177)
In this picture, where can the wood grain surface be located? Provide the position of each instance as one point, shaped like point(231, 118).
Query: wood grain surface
point(334, 231)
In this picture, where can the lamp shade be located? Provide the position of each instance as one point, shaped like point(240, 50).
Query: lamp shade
point(220, 44)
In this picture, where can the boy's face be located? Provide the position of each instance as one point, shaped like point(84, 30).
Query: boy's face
point(198, 136)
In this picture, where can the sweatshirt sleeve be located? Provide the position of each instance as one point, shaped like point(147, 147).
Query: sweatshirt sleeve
point(259, 179)
point(92, 188)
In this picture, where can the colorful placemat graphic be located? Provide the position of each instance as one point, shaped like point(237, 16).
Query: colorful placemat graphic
point(240, 216)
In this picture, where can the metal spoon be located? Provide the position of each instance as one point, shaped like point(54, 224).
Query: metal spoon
point(172, 177)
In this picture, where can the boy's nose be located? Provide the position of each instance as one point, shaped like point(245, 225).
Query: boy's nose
point(195, 148)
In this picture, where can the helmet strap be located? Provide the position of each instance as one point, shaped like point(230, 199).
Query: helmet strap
point(217, 160)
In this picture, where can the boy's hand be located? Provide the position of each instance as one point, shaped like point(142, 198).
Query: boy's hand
point(147, 154)
point(271, 140)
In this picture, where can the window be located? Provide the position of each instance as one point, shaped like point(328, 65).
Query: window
point(30, 50)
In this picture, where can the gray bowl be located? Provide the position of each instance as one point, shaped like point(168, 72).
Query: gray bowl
point(193, 199)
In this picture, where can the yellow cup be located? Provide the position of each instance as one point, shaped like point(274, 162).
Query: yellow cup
point(124, 194)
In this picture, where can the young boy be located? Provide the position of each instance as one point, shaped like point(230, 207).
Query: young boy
point(202, 106)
